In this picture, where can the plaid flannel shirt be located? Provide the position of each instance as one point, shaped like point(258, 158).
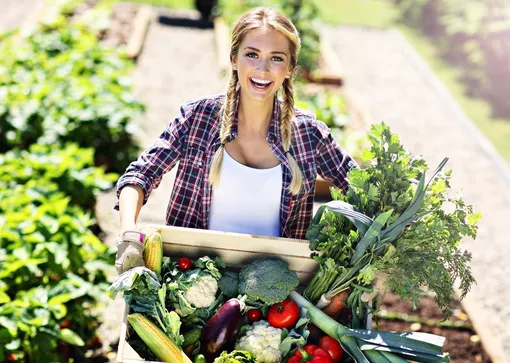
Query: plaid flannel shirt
point(193, 138)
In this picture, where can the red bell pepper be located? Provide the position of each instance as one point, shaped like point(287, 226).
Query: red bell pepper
point(311, 354)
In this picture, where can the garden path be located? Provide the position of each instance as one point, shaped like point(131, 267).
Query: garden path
point(14, 12)
point(397, 87)
point(177, 64)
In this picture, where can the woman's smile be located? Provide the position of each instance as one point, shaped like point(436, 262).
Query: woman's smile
point(260, 83)
point(262, 63)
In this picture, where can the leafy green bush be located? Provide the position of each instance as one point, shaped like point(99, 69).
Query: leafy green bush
point(304, 15)
point(53, 272)
point(71, 168)
point(59, 84)
point(329, 107)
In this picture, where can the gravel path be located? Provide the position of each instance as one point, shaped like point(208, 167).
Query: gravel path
point(14, 12)
point(398, 88)
point(177, 64)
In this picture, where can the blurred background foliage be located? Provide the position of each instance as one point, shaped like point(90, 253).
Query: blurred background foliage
point(66, 111)
point(465, 42)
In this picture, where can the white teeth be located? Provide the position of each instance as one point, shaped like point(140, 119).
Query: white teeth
point(262, 81)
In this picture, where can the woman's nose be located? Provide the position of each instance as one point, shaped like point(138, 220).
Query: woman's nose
point(263, 65)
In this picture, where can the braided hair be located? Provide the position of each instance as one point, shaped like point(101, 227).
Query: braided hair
point(255, 19)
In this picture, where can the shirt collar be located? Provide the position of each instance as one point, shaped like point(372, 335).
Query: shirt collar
point(273, 133)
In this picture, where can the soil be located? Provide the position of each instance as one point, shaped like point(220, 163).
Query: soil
point(462, 343)
point(121, 25)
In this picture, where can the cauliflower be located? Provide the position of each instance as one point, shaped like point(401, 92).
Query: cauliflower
point(262, 340)
point(203, 292)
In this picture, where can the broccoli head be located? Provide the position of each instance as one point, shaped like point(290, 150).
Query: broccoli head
point(267, 281)
point(228, 284)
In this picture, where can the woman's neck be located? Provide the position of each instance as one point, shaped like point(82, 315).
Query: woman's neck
point(255, 116)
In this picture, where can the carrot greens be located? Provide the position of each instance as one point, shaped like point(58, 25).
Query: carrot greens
point(394, 226)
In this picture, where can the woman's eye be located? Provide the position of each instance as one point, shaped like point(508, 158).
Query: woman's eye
point(251, 55)
point(278, 59)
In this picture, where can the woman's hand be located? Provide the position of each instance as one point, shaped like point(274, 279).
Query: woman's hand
point(129, 250)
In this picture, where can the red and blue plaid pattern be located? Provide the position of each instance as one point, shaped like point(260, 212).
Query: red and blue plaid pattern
point(193, 138)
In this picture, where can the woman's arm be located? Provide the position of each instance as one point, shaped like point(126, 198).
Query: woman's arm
point(333, 164)
point(145, 173)
point(130, 202)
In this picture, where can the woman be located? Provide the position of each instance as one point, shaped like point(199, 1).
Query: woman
point(248, 160)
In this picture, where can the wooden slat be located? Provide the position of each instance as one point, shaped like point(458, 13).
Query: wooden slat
point(222, 36)
point(140, 26)
point(233, 241)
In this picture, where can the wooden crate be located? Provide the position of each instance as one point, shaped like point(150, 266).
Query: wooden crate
point(235, 249)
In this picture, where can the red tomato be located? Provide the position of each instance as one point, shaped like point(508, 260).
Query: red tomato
point(283, 314)
point(333, 347)
point(254, 315)
point(294, 359)
point(321, 356)
point(184, 264)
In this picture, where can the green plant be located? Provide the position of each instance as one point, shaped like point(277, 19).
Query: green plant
point(332, 108)
point(71, 168)
point(391, 222)
point(58, 84)
point(329, 107)
point(53, 269)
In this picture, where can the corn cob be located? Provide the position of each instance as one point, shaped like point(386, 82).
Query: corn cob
point(153, 251)
point(158, 342)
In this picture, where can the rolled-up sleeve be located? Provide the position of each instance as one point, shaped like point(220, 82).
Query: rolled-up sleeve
point(333, 164)
point(148, 170)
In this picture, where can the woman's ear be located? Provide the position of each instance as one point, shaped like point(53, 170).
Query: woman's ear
point(233, 61)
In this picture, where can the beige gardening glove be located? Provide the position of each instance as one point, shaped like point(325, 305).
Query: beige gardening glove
point(129, 251)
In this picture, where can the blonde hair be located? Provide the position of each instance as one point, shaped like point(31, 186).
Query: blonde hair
point(255, 19)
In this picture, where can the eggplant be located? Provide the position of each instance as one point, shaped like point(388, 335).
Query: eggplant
point(222, 328)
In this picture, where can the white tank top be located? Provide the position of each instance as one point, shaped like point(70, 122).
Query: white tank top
point(247, 200)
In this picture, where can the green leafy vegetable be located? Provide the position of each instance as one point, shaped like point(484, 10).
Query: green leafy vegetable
point(391, 221)
point(267, 281)
point(236, 356)
point(228, 284)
